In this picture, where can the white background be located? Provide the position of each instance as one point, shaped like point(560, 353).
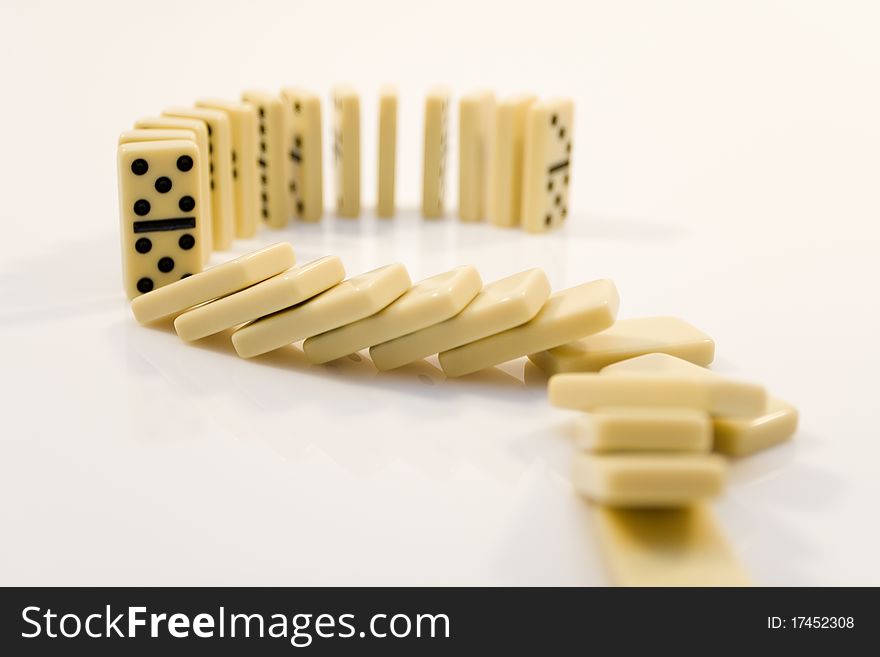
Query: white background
point(726, 170)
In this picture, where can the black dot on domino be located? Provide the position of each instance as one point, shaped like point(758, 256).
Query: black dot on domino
point(265, 197)
point(186, 242)
point(265, 213)
point(297, 141)
point(210, 132)
point(165, 264)
point(554, 119)
point(297, 107)
point(144, 285)
point(233, 156)
point(143, 245)
point(299, 207)
point(548, 219)
point(139, 167)
point(565, 179)
point(568, 147)
point(558, 200)
point(262, 111)
point(561, 133)
point(292, 186)
point(186, 203)
point(549, 185)
point(262, 129)
point(141, 207)
point(184, 163)
point(564, 212)
point(163, 185)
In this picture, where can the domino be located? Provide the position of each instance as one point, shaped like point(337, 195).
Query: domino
point(546, 164)
point(566, 316)
point(505, 165)
point(648, 480)
point(213, 283)
point(351, 300)
point(243, 153)
point(202, 230)
point(347, 151)
point(652, 381)
point(387, 152)
point(499, 306)
point(274, 173)
point(160, 213)
point(219, 167)
point(741, 436)
point(628, 338)
point(667, 547)
point(305, 157)
point(639, 428)
point(429, 302)
point(199, 133)
point(277, 293)
point(435, 147)
point(476, 113)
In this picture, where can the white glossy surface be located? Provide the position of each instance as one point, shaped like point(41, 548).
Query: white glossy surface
point(736, 187)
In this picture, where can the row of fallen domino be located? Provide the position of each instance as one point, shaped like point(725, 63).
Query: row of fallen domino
point(654, 415)
point(193, 179)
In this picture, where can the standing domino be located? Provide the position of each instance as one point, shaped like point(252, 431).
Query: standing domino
point(387, 151)
point(199, 133)
point(434, 165)
point(160, 212)
point(305, 160)
point(505, 168)
point(546, 165)
point(243, 128)
point(475, 125)
point(347, 151)
point(274, 174)
point(220, 168)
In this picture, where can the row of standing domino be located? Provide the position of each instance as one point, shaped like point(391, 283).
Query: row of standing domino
point(258, 161)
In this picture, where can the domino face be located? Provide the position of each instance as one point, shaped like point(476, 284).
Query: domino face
point(648, 480)
point(243, 154)
point(434, 165)
point(566, 316)
point(213, 283)
point(203, 234)
point(220, 170)
point(160, 212)
point(304, 156)
point(646, 429)
point(547, 164)
point(387, 152)
point(741, 436)
point(277, 293)
point(667, 547)
point(505, 165)
point(274, 174)
point(475, 131)
point(347, 151)
point(199, 132)
point(499, 306)
point(629, 338)
point(345, 303)
point(429, 302)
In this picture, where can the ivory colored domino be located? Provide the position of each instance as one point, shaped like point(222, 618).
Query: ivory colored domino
point(667, 547)
point(429, 302)
point(305, 157)
point(213, 283)
point(274, 173)
point(566, 316)
point(648, 480)
point(199, 133)
point(628, 338)
point(202, 232)
point(243, 154)
point(505, 165)
point(741, 436)
point(160, 213)
point(499, 306)
point(277, 293)
point(347, 151)
point(220, 168)
point(546, 164)
point(351, 300)
point(642, 428)
point(714, 394)
point(435, 149)
point(476, 113)
point(387, 151)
